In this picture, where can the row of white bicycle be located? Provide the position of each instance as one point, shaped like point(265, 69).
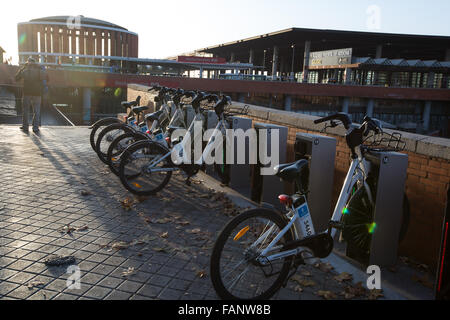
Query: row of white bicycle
point(260, 249)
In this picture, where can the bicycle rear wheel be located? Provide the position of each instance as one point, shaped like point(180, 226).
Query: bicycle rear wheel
point(236, 273)
point(359, 222)
point(118, 146)
point(98, 127)
point(134, 172)
point(107, 136)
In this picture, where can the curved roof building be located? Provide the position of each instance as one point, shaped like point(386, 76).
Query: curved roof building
point(75, 39)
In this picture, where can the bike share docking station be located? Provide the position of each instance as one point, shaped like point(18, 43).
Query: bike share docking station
point(239, 174)
point(266, 188)
point(236, 176)
point(388, 174)
point(320, 151)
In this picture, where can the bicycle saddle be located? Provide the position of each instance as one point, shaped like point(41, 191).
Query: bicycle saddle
point(139, 109)
point(154, 116)
point(131, 104)
point(172, 129)
point(291, 171)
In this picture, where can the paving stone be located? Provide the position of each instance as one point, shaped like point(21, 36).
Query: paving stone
point(35, 210)
point(149, 290)
point(97, 292)
point(118, 295)
point(129, 286)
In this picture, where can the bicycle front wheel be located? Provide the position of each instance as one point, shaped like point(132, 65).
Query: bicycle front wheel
point(135, 172)
point(238, 271)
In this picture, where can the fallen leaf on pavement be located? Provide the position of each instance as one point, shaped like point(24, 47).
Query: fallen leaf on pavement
point(201, 274)
point(303, 282)
point(328, 295)
point(85, 193)
point(121, 245)
point(325, 267)
point(130, 271)
point(375, 294)
point(164, 235)
point(344, 276)
point(298, 289)
point(127, 204)
point(34, 284)
point(306, 273)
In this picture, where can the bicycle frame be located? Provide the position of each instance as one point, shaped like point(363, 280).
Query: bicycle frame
point(183, 146)
point(357, 173)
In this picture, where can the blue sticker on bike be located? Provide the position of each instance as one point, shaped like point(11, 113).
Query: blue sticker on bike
point(303, 211)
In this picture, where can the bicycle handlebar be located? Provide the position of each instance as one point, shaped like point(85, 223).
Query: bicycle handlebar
point(343, 117)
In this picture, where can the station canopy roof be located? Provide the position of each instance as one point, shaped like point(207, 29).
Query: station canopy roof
point(405, 46)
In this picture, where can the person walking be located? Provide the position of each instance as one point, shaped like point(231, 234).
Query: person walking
point(33, 78)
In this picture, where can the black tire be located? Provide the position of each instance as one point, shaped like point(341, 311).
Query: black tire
point(97, 127)
point(132, 173)
point(107, 136)
point(233, 228)
point(118, 146)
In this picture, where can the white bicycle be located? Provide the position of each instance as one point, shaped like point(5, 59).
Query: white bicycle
point(259, 250)
point(148, 164)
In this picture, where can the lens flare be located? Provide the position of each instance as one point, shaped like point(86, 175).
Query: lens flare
point(372, 228)
point(22, 38)
point(345, 211)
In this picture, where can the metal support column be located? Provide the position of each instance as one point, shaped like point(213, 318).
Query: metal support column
point(306, 61)
point(379, 52)
point(87, 95)
point(345, 104)
point(288, 103)
point(426, 116)
point(275, 61)
point(370, 106)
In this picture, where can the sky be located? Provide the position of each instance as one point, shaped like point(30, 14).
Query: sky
point(171, 27)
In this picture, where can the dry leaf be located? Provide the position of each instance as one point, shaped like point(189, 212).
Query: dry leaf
point(358, 290)
point(306, 273)
point(325, 267)
point(344, 276)
point(120, 245)
point(326, 295)
point(164, 235)
point(375, 294)
point(298, 289)
point(303, 282)
point(130, 271)
point(85, 193)
point(127, 204)
point(34, 284)
point(67, 229)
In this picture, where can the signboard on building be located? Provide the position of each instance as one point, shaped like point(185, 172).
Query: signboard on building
point(201, 60)
point(336, 57)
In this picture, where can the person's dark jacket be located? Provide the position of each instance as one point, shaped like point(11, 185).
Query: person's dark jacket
point(33, 78)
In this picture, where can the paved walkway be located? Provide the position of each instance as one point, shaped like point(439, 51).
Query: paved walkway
point(57, 198)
